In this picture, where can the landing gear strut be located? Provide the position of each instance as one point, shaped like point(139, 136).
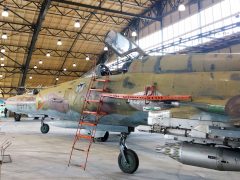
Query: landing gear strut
point(104, 138)
point(127, 160)
point(44, 127)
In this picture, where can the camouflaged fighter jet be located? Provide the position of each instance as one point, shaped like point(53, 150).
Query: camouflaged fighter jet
point(194, 99)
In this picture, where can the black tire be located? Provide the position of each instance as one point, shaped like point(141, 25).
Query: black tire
point(44, 128)
point(17, 117)
point(132, 161)
point(104, 138)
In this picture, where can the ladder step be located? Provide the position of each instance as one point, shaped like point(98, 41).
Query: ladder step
point(79, 149)
point(84, 136)
point(77, 165)
point(88, 123)
point(102, 80)
point(98, 90)
point(94, 113)
point(93, 100)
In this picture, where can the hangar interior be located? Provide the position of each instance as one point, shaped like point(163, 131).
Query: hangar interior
point(31, 31)
point(45, 43)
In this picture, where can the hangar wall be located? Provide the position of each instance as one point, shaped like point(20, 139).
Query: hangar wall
point(203, 22)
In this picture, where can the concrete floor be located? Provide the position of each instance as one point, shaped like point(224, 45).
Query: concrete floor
point(38, 156)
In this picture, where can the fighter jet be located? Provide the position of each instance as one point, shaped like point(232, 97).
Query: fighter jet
point(193, 99)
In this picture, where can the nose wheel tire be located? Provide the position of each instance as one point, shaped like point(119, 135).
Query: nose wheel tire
point(131, 164)
point(17, 117)
point(44, 128)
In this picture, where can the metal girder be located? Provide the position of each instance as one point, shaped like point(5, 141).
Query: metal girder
point(71, 13)
point(46, 31)
point(40, 71)
point(43, 51)
point(158, 10)
point(41, 16)
point(105, 10)
point(204, 47)
point(8, 90)
point(74, 42)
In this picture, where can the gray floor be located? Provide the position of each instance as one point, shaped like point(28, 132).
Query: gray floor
point(38, 156)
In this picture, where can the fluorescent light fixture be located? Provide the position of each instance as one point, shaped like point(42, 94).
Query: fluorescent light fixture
point(48, 54)
point(57, 79)
point(105, 48)
point(2, 58)
point(4, 36)
point(77, 24)
point(181, 7)
point(35, 67)
point(40, 62)
point(65, 69)
point(134, 34)
point(2, 64)
point(3, 50)
point(87, 58)
point(5, 13)
point(74, 65)
point(30, 77)
point(59, 42)
point(1, 75)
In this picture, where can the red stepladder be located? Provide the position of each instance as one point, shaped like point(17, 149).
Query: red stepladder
point(85, 123)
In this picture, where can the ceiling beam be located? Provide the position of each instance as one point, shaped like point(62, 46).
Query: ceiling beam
point(124, 13)
point(41, 71)
point(41, 16)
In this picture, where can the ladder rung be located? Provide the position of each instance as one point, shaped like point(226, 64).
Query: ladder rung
point(93, 100)
point(85, 136)
point(78, 149)
point(102, 80)
point(94, 113)
point(88, 123)
point(99, 90)
point(77, 165)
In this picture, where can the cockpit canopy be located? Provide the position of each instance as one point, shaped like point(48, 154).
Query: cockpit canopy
point(121, 45)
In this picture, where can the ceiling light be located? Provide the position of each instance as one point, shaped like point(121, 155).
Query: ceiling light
point(4, 36)
point(77, 24)
point(2, 58)
point(30, 77)
point(48, 54)
point(3, 50)
point(1, 75)
point(65, 69)
point(87, 58)
point(59, 42)
point(5, 13)
point(40, 62)
point(35, 67)
point(181, 7)
point(57, 79)
point(134, 34)
point(105, 48)
point(74, 65)
point(2, 65)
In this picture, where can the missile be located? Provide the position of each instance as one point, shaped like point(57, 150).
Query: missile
point(218, 158)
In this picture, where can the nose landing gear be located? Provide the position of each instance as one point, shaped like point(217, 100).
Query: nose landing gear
point(127, 160)
point(44, 127)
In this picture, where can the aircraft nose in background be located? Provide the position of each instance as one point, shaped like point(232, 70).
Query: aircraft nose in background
point(11, 103)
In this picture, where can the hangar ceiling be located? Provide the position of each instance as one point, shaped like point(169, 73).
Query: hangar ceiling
point(32, 56)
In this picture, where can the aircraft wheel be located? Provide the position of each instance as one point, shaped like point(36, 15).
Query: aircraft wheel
point(104, 138)
point(45, 128)
point(132, 161)
point(17, 117)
